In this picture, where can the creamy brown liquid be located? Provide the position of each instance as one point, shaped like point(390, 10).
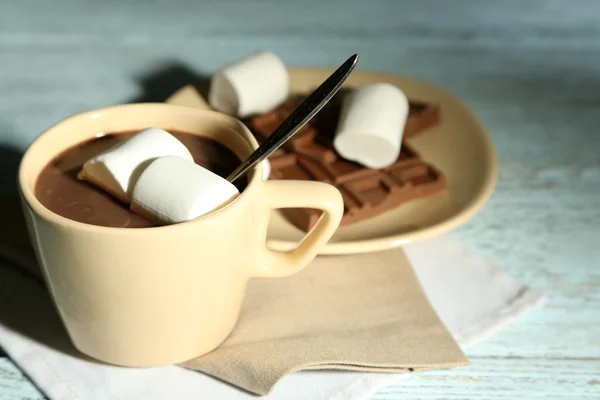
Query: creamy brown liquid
point(59, 190)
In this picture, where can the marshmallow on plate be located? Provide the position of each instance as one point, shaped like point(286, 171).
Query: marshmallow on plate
point(371, 125)
point(117, 169)
point(254, 85)
point(173, 189)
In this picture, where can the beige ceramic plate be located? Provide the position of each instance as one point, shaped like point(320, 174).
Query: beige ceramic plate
point(460, 147)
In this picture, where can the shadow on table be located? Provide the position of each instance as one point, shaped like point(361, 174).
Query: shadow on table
point(26, 308)
point(159, 83)
point(25, 304)
point(15, 245)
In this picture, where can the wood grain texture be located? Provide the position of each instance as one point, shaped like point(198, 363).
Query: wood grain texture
point(14, 385)
point(530, 70)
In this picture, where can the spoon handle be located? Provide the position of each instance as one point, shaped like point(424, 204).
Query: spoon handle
point(301, 115)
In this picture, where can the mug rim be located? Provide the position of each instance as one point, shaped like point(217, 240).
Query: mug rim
point(28, 193)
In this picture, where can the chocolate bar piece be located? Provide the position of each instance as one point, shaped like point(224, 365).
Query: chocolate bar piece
point(367, 192)
point(421, 116)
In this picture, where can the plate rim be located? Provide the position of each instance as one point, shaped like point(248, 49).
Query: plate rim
point(397, 240)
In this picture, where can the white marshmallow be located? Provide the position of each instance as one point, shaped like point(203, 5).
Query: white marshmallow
point(117, 169)
point(254, 85)
point(173, 189)
point(266, 170)
point(371, 125)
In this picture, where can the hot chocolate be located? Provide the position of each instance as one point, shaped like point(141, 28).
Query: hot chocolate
point(59, 189)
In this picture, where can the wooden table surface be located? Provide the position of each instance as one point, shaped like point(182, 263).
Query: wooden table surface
point(529, 69)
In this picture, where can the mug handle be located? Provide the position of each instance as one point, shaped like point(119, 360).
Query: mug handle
point(299, 194)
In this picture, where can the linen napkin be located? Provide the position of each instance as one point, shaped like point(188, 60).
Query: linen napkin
point(361, 312)
point(473, 298)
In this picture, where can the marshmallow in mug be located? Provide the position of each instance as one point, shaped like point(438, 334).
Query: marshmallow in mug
point(266, 170)
point(371, 125)
point(254, 85)
point(117, 169)
point(173, 189)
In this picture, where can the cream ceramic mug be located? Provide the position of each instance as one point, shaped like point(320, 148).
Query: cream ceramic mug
point(162, 295)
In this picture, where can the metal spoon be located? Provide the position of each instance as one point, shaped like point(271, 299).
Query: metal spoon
point(301, 115)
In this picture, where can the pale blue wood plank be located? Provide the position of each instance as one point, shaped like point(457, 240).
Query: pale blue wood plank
point(496, 379)
point(529, 69)
point(14, 385)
